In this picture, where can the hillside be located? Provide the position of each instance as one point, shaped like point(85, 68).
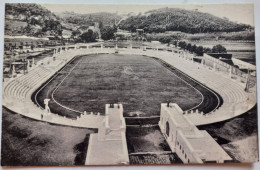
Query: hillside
point(174, 19)
point(85, 20)
point(30, 19)
point(36, 20)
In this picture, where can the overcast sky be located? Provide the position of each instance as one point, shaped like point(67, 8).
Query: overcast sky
point(242, 13)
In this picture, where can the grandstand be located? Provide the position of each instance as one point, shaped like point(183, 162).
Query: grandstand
point(232, 99)
point(223, 93)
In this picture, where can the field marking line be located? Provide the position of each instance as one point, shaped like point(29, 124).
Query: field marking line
point(183, 81)
point(53, 92)
point(194, 87)
point(204, 87)
point(35, 97)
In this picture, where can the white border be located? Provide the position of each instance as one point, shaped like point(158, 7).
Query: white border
point(254, 166)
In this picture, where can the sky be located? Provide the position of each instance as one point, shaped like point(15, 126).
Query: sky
point(241, 13)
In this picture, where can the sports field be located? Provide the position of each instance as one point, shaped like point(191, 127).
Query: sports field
point(138, 82)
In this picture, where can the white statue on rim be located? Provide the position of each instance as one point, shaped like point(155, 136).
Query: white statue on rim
point(47, 108)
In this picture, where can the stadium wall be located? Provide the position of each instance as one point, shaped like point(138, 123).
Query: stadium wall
point(186, 140)
point(233, 106)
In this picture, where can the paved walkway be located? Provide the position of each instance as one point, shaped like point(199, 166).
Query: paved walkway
point(108, 146)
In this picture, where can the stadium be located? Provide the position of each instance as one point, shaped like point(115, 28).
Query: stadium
point(129, 98)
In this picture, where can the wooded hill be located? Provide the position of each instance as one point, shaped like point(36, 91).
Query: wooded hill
point(36, 20)
point(87, 19)
point(30, 19)
point(174, 19)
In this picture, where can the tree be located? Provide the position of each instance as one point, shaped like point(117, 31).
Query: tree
point(108, 33)
point(32, 47)
point(199, 51)
point(88, 36)
point(175, 43)
point(189, 47)
point(206, 50)
point(21, 45)
point(166, 40)
point(182, 44)
point(75, 34)
point(193, 48)
point(219, 49)
point(100, 25)
point(34, 21)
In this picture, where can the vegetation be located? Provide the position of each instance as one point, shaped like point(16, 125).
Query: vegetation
point(166, 40)
point(26, 10)
point(52, 25)
point(26, 142)
point(88, 19)
point(199, 50)
point(146, 139)
point(108, 33)
point(31, 19)
point(88, 36)
point(231, 132)
point(218, 36)
point(35, 20)
point(219, 49)
point(173, 19)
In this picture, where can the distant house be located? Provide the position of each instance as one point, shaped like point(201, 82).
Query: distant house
point(122, 34)
point(155, 42)
point(173, 32)
point(139, 32)
point(40, 45)
point(66, 34)
point(51, 37)
point(91, 28)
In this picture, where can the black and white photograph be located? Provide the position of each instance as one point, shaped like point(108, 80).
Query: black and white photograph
point(128, 84)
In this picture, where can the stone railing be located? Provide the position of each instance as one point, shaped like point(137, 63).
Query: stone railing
point(181, 61)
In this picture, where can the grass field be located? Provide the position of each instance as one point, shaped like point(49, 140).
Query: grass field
point(138, 82)
point(145, 139)
point(27, 142)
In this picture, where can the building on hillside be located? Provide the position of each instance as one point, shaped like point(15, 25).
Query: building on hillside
point(140, 32)
point(66, 35)
point(122, 35)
